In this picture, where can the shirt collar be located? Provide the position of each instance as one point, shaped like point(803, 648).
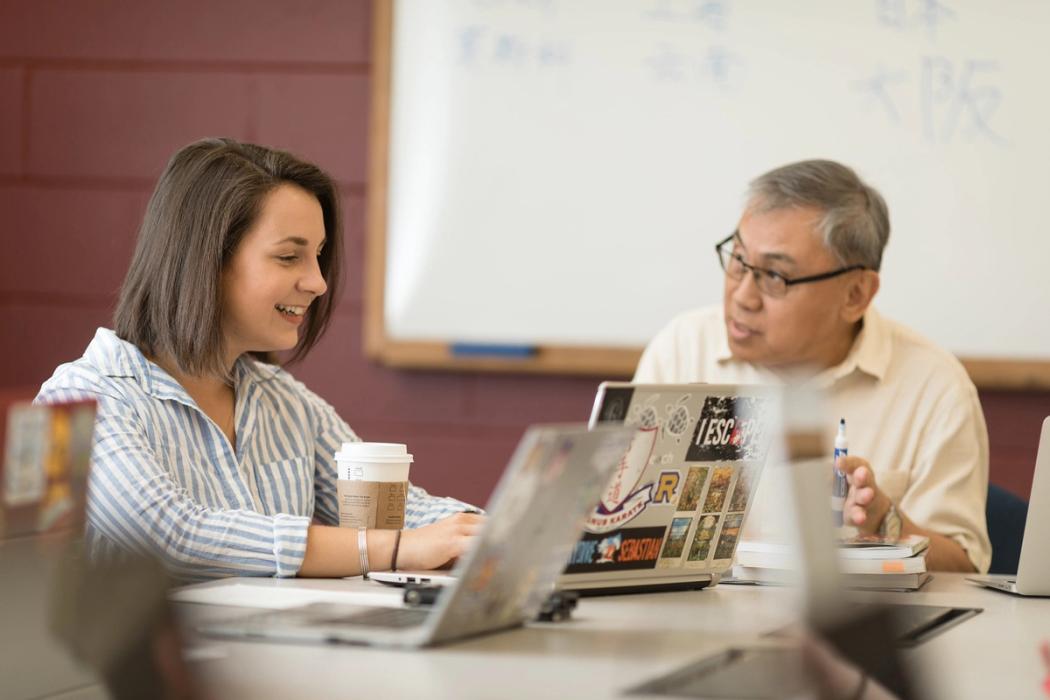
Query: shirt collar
point(249, 369)
point(115, 357)
point(870, 352)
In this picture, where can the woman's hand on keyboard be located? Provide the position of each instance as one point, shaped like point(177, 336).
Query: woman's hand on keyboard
point(438, 545)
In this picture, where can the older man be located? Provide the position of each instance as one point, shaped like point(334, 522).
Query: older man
point(801, 271)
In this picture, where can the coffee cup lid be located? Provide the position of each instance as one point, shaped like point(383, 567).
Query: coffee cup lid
point(374, 452)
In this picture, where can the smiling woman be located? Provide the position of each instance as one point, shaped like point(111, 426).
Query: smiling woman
point(207, 455)
point(212, 195)
point(273, 277)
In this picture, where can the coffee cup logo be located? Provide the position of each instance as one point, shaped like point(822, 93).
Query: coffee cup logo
point(372, 485)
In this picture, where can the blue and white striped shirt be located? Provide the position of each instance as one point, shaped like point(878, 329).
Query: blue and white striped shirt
point(165, 480)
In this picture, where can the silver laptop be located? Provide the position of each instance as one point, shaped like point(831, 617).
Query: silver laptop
point(1033, 568)
point(535, 515)
point(672, 514)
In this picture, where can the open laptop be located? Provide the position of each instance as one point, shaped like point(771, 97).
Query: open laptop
point(1033, 568)
point(535, 516)
point(44, 472)
point(671, 515)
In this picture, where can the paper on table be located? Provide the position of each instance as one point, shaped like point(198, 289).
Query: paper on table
point(277, 594)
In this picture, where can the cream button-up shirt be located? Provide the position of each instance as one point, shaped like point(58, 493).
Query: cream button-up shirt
point(910, 408)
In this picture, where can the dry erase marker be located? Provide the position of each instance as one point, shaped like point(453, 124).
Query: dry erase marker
point(840, 486)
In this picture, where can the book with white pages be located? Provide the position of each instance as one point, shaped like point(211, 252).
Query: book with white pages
point(856, 547)
point(770, 563)
point(882, 547)
point(788, 560)
point(856, 581)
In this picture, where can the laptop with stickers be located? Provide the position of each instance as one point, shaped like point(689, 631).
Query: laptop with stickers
point(534, 518)
point(44, 472)
point(671, 516)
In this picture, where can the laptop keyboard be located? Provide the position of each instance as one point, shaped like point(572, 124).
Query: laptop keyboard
point(394, 618)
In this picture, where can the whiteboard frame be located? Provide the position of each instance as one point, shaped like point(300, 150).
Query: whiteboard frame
point(608, 362)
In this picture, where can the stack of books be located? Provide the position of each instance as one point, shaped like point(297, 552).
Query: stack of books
point(868, 562)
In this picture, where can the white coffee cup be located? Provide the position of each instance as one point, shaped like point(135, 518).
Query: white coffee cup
point(372, 484)
point(373, 461)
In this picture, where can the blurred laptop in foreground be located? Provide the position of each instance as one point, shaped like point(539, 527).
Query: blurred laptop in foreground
point(534, 517)
point(72, 624)
point(43, 478)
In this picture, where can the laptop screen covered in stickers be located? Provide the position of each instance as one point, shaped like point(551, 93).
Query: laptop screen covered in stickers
point(46, 457)
point(671, 516)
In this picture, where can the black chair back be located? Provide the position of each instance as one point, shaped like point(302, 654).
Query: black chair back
point(1006, 515)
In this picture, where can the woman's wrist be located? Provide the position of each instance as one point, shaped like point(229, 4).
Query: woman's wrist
point(397, 545)
point(380, 548)
point(407, 556)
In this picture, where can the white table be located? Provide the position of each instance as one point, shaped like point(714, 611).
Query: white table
point(617, 642)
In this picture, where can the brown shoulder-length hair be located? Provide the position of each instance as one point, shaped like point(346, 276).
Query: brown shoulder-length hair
point(208, 196)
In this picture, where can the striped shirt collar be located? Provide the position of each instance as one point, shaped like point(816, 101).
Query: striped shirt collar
point(870, 353)
point(115, 357)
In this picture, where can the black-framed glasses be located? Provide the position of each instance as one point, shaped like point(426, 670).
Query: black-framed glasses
point(768, 282)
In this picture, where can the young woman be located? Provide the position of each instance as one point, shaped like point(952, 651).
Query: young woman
point(206, 454)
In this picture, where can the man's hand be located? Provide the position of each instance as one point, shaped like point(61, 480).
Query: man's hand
point(439, 544)
point(866, 505)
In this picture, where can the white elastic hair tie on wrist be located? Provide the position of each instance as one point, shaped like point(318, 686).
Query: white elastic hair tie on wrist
point(362, 550)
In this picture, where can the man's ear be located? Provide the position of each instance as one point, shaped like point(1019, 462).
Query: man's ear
point(859, 293)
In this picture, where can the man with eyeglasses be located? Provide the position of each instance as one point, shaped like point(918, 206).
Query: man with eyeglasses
point(801, 271)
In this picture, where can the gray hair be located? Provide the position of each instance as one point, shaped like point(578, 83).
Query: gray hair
point(856, 223)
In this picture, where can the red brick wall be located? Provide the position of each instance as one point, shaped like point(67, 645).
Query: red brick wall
point(94, 98)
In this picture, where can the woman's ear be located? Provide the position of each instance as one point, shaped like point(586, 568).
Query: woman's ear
point(861, 290)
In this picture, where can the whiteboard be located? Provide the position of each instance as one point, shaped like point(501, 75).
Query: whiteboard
point(558, 172)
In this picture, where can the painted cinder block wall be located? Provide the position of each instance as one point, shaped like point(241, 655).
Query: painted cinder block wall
point(94, 98)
